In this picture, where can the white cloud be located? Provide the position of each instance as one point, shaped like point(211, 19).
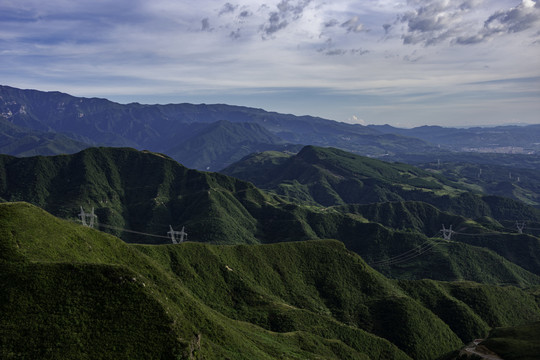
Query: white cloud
point(356, 120)
point(144, 48)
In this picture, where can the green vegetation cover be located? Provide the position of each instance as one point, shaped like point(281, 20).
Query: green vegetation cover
point(516, 342)
point(137, 195)
point(329, 177)
point(69, 289)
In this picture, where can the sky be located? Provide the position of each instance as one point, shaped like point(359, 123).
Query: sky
point(405, 63)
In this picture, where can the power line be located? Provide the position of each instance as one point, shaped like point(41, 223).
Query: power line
point(414, 250)
point(428, 245)
point(478, 234)
point(132, 231)
point(408, 255)
point(406, 258)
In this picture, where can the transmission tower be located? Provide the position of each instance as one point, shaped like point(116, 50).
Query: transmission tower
point(90, 216)
point(520, 225)
point(177, 237)
point(447, 233)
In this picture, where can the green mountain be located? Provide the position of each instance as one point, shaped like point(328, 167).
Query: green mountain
point(71, 291)
point(328, 177)
point(516, 342)
point(137, 195)
point(139, 191)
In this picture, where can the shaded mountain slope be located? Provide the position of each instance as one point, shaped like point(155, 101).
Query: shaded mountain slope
point(24, 142)
point(296, 300)
point(513, 181)
point(515, 342)
point(223, 142)
point(196, 329)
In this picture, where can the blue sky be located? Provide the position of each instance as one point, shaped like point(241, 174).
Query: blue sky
point(405, 63)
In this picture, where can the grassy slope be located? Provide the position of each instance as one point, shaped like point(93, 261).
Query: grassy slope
point(26, 241)
point(508, 181)
point(291, 286)
point(471, 309)
point(515, 343)
point(376, 243)
point(298, 300)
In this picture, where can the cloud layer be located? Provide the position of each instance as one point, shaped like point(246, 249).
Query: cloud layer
point(375, 60)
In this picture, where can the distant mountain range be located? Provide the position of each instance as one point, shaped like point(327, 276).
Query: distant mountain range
point(223, 133)
point(46, 123)
point(498, 139)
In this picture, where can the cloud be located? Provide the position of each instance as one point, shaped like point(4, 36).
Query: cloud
point(331, 23)
point(517, 19)
point(205, 25)
point(436, 21)
point(353, 25)
point(356, 120)
point(275, 23)
point(287, 11)
point(245, 14)
point(235, 34)
point(330, 49)
point(227, 8)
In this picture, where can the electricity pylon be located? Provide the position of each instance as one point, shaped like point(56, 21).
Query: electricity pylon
point(84, 216)
point(447, 233)
point(175, 234)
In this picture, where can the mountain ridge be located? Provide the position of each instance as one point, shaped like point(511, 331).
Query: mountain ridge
point(138, 195)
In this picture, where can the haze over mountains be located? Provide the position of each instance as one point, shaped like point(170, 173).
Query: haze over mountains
point(296, 249)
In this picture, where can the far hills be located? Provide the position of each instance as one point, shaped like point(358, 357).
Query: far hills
point(210, 137)
point(206, 137)
point(502, 139)
point(137, 195)
point(73, 292)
